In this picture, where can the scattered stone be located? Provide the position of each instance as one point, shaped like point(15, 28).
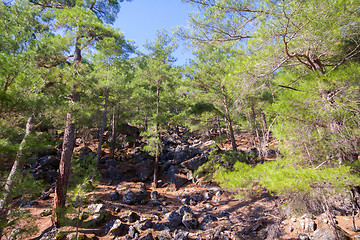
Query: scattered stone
point(204, 224)
point(164, 235)
point(208, 196)
point(303, 236)
point(174, 219)
point(133, 217)
point(189, 221)
point(143, 225)
point(116, 228)
point(308, 225)
point(185, 209)
point(324, 234)
point(96, 208)
point(133, 232)
point(115, 196)
point(134, 193)
point(148, 236)
point(155, 195)
point(180, 235)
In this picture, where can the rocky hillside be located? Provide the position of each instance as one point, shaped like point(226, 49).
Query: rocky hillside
point(125, 206)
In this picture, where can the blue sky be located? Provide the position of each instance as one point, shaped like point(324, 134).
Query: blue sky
point(139, 20)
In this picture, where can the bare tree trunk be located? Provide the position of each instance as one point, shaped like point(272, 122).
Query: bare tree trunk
point(263, 120)
point(101, 134)
point(64, 169)
point(113, 134)
point(156, 164)
point(257, 132)
point(17, 166)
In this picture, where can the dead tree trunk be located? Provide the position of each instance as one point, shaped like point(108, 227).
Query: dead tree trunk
point(101, 134)
point(10, 182)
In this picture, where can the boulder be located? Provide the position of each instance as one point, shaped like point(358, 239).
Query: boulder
point(174, 219)
point(117, 228)
point(133, 193)
point(209, 218)
point(114, 196)
point(176, 177)
point(194, 163)
point(143, 225)
point(144, 170)
point(189, 221)
point(49, 161)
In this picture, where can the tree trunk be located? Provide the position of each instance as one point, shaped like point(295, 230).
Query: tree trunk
point(67, 151)
point(219, 126)
point(156, 164)
point(146, 123)
point(101, 134)
point(229, 122)
point(64, 170)
point(257, 132)
point(113, 135)
point(17, 166)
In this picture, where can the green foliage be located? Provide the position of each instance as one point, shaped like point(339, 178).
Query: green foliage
point(287, 178)
point(25, 186)
point(28, 226)
point(154, 143)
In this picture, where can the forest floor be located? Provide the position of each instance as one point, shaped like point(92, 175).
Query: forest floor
point(250, 212)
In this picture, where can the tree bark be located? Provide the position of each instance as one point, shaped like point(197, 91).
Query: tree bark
point(156, 164)
point(67, 151)
point(101, 134)
point(64, 170)
point(10, 182)
point(219, 126)
point(113, 134)
point(229, 122)
point(257, 132)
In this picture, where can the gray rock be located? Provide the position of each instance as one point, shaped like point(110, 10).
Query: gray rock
point(303, 236)
point(133, 232)
point(143, 225)
point(116, 228)
point(194, 163)
point(185, 209)
point(96, 208)
point(206, 220)
point(208, 196)
point(174, 219)
point(308, 225)
point(49, 161)
point(133, 217)
point(176, 177)
point(180, 235)
point(189, 221)
point(164, 235)
point(155, 195)
point(144, 169)
point(134, 194)
point(115, 196)
point(324, 234)
point(148, 236)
